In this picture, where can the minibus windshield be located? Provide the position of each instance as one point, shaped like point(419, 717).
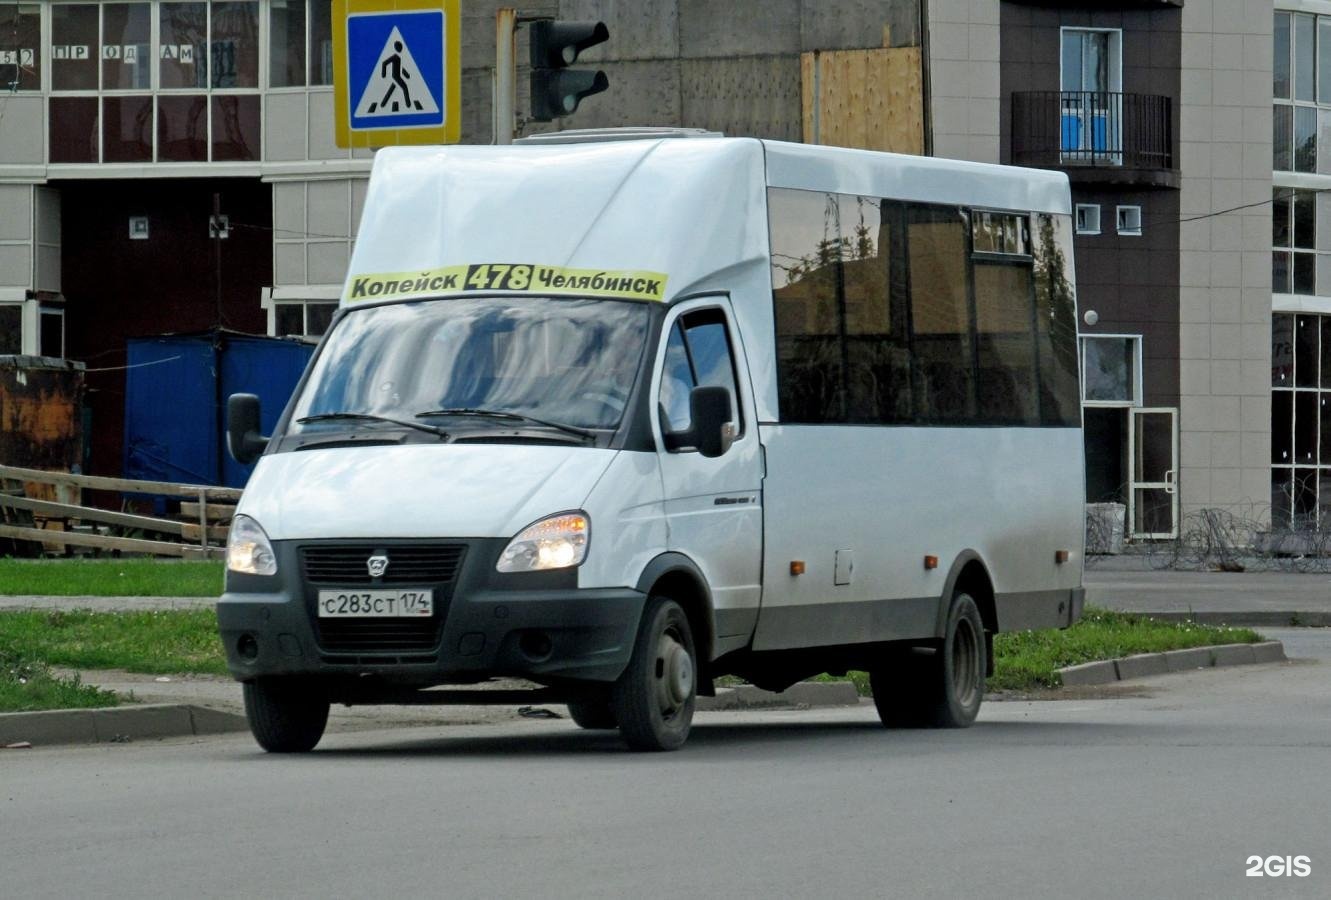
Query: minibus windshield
point(566, 365)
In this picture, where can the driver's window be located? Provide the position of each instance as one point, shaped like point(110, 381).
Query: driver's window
point(697, 354)
point(676, 383)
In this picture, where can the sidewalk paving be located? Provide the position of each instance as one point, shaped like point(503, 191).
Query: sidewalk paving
point(1232, 598)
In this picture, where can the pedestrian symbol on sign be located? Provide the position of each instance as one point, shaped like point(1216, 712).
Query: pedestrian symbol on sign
point(396, 87)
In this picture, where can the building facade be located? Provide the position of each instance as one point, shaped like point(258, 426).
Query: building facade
point(1156, 110)
point(126, 126)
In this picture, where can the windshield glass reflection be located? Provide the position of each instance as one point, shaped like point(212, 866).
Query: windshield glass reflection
point(567, 362)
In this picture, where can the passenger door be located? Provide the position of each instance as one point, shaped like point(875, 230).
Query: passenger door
point(713, 506)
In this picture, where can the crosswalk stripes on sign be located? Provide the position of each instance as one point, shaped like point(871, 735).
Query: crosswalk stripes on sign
point(396, 85)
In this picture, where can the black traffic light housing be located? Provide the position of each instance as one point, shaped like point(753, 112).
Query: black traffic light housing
point(556, 90)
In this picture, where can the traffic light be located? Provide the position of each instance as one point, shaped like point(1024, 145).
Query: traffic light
point(556, 89)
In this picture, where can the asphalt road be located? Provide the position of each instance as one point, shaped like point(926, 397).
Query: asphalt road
point(1163, 790)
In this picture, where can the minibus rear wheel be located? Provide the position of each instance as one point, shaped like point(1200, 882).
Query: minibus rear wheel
point(654, 697)
point(939, 689)
point(285, 716)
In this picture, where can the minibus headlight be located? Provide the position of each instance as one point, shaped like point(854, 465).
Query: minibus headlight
point(248, 550)
point(557, 542)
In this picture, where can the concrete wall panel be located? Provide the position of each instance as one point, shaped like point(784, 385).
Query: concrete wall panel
point(328, 261)
point(16, 222)
point(23, 130)
point(16, 265)
point(289, 263)
point(641, 93)
point(860, 24)
point(637, 30)
point(739, 28)
point(284, 126)
point(329, 205)
point(323, 143)
point(750, 96)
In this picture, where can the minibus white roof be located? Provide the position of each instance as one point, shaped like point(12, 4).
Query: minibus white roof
point(672, 217)
point(924, 179)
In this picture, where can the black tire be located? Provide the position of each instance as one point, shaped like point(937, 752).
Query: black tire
point(284, 716)
point(592, 714)
point(939, 687)
point(653, 699)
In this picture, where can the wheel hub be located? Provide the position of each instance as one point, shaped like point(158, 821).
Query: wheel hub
point(675, 673)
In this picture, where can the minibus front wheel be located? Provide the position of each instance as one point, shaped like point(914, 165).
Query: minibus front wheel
point(653, 699)
point(285, 716)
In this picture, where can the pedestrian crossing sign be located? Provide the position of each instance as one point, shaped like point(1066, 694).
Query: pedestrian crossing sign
point(397, 72)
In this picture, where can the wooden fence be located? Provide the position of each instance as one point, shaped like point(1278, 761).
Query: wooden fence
point(209, 510)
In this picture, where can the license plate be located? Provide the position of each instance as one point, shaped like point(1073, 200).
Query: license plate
point(375, 604)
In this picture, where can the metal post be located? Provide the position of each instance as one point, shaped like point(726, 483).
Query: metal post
point(506, 76)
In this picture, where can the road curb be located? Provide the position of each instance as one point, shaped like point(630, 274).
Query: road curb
point(117, 724)
point(806, 694)
point(1146, 664)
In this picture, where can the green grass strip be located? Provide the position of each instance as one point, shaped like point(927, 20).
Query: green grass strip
point(156, 642)
point(111, 577)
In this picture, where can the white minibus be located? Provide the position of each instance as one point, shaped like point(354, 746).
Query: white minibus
point(606, 416)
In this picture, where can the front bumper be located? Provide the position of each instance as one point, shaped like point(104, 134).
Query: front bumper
point(539, 626)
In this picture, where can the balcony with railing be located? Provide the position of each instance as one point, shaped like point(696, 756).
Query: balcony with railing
point(1096, 136)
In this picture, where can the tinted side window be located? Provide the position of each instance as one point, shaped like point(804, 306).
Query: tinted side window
point(843, 350)
point(1005, 335)
point(876, 329)
point(1056, 322)
point(937, 241)
point(806, 276)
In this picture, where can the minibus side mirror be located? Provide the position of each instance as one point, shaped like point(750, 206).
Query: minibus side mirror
point(713, 426)
point(243, 439)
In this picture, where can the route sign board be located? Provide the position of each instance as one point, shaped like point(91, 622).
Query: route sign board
point(397, 72)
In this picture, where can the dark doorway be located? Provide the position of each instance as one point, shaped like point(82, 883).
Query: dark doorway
point(1106, 435)
point(117, 287)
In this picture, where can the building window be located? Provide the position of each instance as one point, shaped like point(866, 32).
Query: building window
point(20, 42)
point(1091, 82)
point(1294, 260)
point(1111, 370)
point(302, 318)
point(11, 329)
point(286, 42)
point(1088, 218)
point(1300, 421)
point(143, 82)
point(51, 335)
point(1130, 220)
point(1301, 86)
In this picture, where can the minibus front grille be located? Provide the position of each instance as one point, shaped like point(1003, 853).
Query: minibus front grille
point(423, 565)
point(378, 637)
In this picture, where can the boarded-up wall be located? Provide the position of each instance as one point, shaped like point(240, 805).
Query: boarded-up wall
point(870, 99)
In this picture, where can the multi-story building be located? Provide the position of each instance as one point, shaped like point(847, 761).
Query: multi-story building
point(1156, 110)
point(124, 125)
point(1301, 263)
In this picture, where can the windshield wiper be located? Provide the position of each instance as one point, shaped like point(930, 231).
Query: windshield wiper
point(512, 416)
point(370, 417)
